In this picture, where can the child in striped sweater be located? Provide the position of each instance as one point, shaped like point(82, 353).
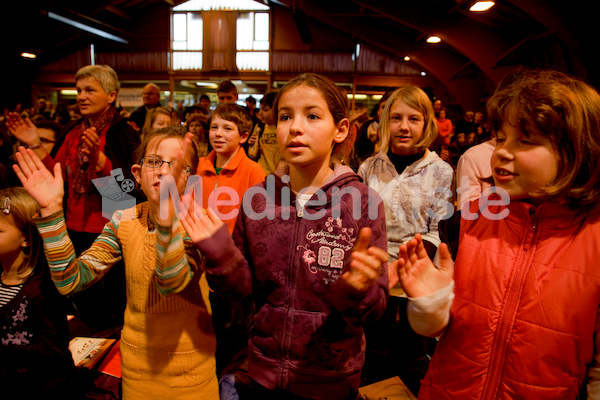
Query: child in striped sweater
point(167, 341)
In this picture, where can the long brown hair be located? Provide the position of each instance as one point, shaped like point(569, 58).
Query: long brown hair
point(337, 103)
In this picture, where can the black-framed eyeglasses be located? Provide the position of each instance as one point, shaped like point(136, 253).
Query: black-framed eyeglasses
point(155, 162)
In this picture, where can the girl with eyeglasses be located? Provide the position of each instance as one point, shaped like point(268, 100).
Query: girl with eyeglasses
point(167, 341)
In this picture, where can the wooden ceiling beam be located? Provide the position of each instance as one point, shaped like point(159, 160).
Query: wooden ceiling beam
point(118, 12)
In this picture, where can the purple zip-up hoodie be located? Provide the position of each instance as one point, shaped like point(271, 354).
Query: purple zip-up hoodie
point(306, 335)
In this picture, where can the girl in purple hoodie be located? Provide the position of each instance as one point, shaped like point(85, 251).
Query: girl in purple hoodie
point(309, 246)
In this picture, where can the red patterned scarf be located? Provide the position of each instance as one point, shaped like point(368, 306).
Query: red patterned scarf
point(82, 177)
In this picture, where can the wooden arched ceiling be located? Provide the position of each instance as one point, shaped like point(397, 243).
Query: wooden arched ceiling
point(475, 52)
point(477, 49)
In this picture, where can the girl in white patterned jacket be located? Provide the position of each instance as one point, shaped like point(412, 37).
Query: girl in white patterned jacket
point(415, 185)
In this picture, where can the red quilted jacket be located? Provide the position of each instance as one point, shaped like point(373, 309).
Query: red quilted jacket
point(527, 295)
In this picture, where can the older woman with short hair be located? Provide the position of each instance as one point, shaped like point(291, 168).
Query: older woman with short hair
point(97, 145)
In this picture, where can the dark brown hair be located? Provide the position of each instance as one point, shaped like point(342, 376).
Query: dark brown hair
point(226, 87)
point(337, 103)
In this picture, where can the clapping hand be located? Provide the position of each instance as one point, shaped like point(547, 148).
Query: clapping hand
point(177, 175)
point(96, 158)
point(365, 265)
point(417, 273)
point(45, 187)
point(200, 223)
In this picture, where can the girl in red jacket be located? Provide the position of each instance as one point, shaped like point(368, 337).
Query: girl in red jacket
point(518, 310)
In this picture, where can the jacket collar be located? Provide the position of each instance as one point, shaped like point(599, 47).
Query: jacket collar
point(340, 176)
point(208, 163)
point(552, 212)
point(429, 158)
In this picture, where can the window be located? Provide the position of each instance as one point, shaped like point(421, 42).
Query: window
point(190, 33)
point(253, 31)
point(187, 31)
point(252, 42)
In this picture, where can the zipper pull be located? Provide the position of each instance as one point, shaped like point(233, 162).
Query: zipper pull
point(299, 209)
point(533, 218)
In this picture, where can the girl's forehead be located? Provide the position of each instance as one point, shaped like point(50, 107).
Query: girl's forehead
point(302, 89)
point(400, 104)
point(164, 145)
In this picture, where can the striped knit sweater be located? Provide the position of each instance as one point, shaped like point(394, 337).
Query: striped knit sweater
point(167, 341)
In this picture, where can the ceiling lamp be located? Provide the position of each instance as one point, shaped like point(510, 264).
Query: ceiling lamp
point(357, 96)
point(481, 6)
point(207, 85)
point(433, 39)
point(406, 58)
point(28, 55)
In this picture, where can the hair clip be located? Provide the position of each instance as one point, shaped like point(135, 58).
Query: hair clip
point(6, 205)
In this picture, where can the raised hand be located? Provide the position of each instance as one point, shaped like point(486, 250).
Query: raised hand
point(179, 166)
point(365, 265)
point(200, 223)
point(417, 273)
point(178, 176)
point(23, 129)
point(46, 188)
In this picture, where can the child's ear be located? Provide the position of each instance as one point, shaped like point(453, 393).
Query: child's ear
point(136, 170)
point(342, 131)
point(244, 137)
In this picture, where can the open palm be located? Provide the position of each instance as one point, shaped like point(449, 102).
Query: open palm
point(200, 224)
point(23, 129)
point(46, 188)
point(177, 177)
point(417, 273)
